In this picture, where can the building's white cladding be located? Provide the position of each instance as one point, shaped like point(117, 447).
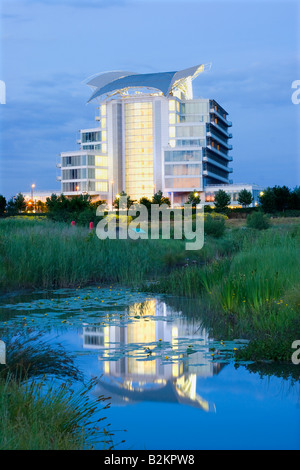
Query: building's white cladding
point(152, 135)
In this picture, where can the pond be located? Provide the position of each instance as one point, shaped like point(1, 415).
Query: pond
point(171, 385)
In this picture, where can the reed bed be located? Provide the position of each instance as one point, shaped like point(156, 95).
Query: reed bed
point(44, 416)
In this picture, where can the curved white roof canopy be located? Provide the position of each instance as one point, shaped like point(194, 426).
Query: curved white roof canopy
point(109, 83)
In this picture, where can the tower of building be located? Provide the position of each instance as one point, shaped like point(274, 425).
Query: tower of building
point(151, 135)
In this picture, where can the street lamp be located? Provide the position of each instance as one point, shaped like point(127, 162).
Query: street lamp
point(32, 186)
point(77, 189)
point(261, 193)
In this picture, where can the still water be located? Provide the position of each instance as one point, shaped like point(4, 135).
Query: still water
point(171, 385)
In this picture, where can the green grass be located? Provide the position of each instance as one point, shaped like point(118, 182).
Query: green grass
point(42, 416)
point(43, 254)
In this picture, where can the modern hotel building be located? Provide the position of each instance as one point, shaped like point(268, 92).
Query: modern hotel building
point(151, 135)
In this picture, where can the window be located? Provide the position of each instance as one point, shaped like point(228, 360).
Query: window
point(171, 105)
point(190, 131)
point(101, 174)
point(172, 118)
point(171, 131)
point(101, 160)
point(91, 160)
point(103, 109)
point(183, 155)
point(101, 186)
point(90, 137)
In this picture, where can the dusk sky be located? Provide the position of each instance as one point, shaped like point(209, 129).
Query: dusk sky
point(50, 47)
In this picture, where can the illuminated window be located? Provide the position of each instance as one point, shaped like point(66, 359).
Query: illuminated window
point(101, 161)
point(103, 122)
point(103, 110)
point(104, 148)
point(101, 186)
point(172, 118)
point(171, 131)
point(139, 149)
point(172, 105)
point(172, 143)
point(101, 174)
point(104, 136)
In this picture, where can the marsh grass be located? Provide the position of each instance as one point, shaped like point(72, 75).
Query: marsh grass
point(27, 356)
point(44, 416)
point(46, 254)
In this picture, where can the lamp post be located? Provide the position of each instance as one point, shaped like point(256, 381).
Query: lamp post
point(77, 189)
point(32, 186)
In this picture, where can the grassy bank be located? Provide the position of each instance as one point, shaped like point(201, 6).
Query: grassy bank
point(248, 279)
point(255, 292)
point(39, 408)
point(39, 416)
point(41, 253)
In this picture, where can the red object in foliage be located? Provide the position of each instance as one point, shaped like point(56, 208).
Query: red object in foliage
point(91, 225)
point(73, 222)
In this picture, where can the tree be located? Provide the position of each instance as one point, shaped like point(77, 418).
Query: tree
point(41, 206)
point(222, 200)
point(2, 204)
point(282, 197)
point(245, 198)
point(267, 200)
point(295, 199)
point(194, 198)
point(20, 202)
point(159, 199)
point(277, 199)
point(144, 201)
point(116, 202)
point(16, 204)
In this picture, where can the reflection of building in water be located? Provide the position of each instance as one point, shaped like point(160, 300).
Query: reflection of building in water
point(93, 337)
point(137, 376)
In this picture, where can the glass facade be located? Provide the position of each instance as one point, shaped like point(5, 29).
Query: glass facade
point(190, 142)
point(73, 160)
point(139, 149)
point(91, 136)
point(178, 144)
point(190, 131)
point(187, 184)
point(182, 170)
point(183, 155)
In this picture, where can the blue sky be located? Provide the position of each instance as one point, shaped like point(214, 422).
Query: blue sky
point(50, 47)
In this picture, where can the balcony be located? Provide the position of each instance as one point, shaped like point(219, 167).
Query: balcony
point(207, 159)
point(224, 120)
point(215, 176)
point(226, 134)
point(213, 136)
point(218, 152)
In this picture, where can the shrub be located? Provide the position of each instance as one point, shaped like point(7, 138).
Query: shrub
point(258, 221)
point(214, 226)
